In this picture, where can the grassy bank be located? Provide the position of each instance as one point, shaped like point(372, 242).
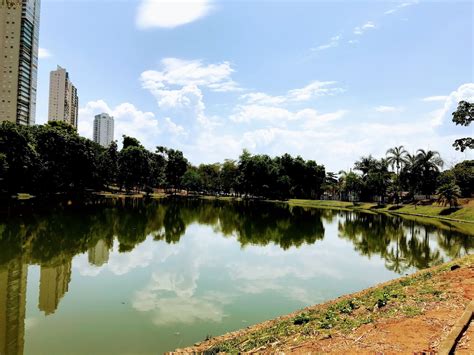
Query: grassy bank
point(463, 214)
point(461, 220)
point(423, 303)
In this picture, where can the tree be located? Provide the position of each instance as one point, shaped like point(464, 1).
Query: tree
point(351, 185)
point(130, 142)
point(191, 180)
point(464, 177)
point(133, 168)
point(428, 165)
point(331, 183)
point(375, 177)
point(20, 159)
point(396, 158)
point(449, 194)
point(228, 175)
point(109, 168)
point(176, 166)
point(409, 175)
point(463, 116)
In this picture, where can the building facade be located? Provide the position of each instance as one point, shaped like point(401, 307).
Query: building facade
point(19, 33)
point(63, 99)
point(103, 129)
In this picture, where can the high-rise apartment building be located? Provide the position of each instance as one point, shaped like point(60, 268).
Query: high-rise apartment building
point(63, 99)
point(103, 129)
point(19, 32)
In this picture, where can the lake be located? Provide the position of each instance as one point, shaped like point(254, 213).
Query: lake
point(144, 277)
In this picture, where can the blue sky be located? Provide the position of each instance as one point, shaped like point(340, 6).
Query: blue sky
point(330, 81)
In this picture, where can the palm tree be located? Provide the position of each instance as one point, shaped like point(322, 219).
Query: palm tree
point(428, 165)
point(429, 160)
point(396, 157)
point(449, 194)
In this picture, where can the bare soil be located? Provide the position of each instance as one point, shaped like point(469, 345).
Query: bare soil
point(425, 309)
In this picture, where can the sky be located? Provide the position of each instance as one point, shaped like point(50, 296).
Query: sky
point(328, 80)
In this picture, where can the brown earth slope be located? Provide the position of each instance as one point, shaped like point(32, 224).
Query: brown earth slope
point(413, 314)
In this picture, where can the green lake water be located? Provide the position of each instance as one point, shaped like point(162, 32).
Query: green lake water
point(136, 277)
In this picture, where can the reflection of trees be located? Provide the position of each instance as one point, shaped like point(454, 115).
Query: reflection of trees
point(402, 243)
point(54, 238)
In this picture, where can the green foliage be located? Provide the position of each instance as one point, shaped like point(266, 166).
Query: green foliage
point(449, 194)
point(54, 158)
point(176, 166)
point(463, 116)
point(134, 167)
point(463, 176)
point(130, 142)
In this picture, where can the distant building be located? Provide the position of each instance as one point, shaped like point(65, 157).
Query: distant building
point(19, 30)
point(54, 283)
point(63, 99)
point(103, 129)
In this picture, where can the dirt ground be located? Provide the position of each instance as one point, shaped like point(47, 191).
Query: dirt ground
point(398, 333)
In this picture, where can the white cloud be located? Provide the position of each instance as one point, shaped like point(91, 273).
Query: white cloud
point(464, 92)
point(312, 90)
point(435, 98)
point(128, 120)
point(170, 13)
point(388, 109)
point(263, 98)
point(180, 72)
point(333, 42)
point(281, 116)
point(174, 128)
point(400, 6)
point(360, 30)
point(44, 53)
point(178, 86)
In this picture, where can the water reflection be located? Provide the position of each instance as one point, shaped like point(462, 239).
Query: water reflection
point(404, 244)
point(52, 240)
point(13, 278)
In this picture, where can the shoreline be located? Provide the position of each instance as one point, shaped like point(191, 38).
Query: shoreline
point(460, 220)
point(412, 314)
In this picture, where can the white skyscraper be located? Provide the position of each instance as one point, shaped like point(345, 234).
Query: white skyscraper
point(103, 129)
point(63, 99)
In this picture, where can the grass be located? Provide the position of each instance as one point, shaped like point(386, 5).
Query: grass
point(461, 219)
point(406, 297)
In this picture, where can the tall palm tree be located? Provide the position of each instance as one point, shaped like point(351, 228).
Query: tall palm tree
point(429, 160)
point(396, 157)
point(428, 165)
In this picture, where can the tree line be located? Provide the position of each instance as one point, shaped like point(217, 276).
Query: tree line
point(53, 158)
point(402, 176)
